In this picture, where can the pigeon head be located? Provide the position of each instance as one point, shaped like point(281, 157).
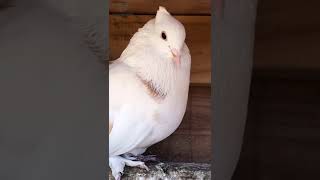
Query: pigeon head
point(156, 49)
point(169, 34)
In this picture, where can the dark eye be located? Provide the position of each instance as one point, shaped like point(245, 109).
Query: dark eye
point(164, 36)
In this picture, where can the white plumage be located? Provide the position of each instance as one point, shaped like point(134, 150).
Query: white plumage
point(148, 90)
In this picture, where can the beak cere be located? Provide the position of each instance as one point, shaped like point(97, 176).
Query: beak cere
point(176, 56)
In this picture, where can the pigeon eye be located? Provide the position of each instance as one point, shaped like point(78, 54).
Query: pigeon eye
point(164, 36)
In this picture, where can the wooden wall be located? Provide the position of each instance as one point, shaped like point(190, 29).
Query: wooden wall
point(287, 35)
point(192, 141)
point(282, 136)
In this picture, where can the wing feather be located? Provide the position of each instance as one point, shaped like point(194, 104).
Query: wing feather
point(128, 113)
point(130, 130)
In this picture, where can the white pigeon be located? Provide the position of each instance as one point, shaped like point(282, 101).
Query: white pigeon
point(148, 90)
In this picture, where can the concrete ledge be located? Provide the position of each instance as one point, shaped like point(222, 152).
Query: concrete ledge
point(167, 171)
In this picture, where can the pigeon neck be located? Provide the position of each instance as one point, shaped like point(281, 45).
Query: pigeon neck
point(159, 81)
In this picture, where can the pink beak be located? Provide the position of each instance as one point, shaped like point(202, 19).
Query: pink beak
point(176, 56)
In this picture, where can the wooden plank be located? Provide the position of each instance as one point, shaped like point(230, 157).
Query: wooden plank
point(200, 120)
point(198, 40)
point(195, 7)
point(282, 141)
point(293, 8)
point(287, 74)
point(297, 50)
point(287, 16)
point(287, 35)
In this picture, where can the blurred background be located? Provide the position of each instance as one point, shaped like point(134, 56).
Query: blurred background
point(282, 136)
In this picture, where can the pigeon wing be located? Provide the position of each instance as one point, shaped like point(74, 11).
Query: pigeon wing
point(130, 130)
point(130, 124)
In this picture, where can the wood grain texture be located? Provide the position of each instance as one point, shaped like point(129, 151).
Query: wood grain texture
point(287, 35)
point(198, 40)
point(191, 142)
point(195, 7)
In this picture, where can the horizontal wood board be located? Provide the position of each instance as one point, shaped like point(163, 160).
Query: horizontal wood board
point(287, 35)
point(282, 132)
point(190, 7)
